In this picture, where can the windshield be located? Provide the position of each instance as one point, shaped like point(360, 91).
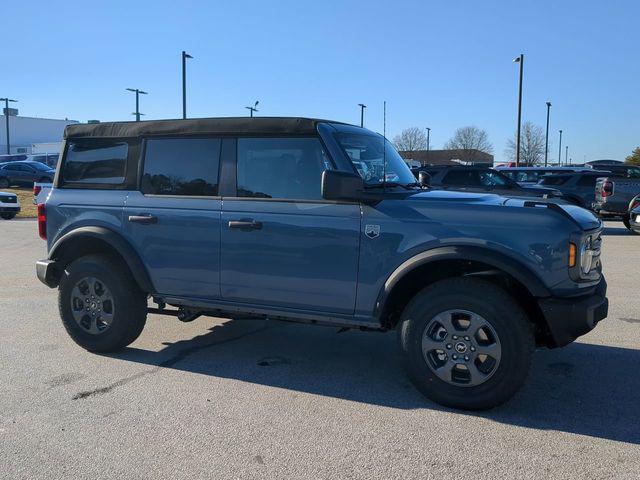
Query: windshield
point(368, 156)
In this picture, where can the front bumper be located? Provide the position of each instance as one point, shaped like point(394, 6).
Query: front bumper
point(47, 273)
point(4, 208)
point(569, 318)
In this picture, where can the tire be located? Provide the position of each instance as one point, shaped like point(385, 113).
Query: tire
point(126, 303)
point(4, 183)
point(504, 319)
point(7, 216)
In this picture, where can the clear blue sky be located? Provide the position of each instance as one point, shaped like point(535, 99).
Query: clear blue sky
point(437, 64)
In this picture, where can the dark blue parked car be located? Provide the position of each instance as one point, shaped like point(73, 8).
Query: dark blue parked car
point(319, 222)
point(24, 173)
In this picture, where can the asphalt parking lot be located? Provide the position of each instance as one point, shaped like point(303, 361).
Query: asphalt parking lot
point(253, 399)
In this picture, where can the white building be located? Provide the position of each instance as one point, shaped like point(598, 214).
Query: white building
point(24, 132)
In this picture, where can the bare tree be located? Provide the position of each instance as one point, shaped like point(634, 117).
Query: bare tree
point(468, 139)
point(531, 145)
point(410, 139)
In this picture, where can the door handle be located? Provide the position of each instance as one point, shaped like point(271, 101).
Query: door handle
point(245, 224)
point(143, 219)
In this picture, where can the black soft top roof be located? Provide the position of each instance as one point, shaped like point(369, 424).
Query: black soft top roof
point(229, 125)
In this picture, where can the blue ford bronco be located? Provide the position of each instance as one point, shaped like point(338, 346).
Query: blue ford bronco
point(320, 222)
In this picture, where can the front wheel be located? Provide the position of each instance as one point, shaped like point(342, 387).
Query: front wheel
point(101, 307)
point(7, 216)
point(466, 343)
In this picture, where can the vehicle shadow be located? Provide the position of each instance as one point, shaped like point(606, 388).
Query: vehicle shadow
point(617, 231)
point(584, 388)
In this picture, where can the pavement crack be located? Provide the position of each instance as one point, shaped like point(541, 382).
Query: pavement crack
point(170, 362)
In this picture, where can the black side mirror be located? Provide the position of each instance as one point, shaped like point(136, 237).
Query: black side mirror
point(338, 185)
point(424, 179)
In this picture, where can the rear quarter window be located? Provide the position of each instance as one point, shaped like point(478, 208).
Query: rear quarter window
point(95, 161)
point(553, 180)
point(588, 181)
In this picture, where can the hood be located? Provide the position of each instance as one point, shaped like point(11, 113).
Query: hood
point(581, 217)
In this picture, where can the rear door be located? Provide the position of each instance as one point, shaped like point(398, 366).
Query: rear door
point(173, 220)
point(282, 244)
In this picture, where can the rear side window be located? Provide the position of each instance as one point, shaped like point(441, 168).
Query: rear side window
point(95, 161)
point(587, 181)
point(462, 177)
point(287, 168)
point(553, 180)
point(181, 166)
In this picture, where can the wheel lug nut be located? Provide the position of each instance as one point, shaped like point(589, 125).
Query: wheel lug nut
point(473, 349)
point(466, 338)
point(455, 337)
point(449, 346)
point(466, 358)
point(455, 357)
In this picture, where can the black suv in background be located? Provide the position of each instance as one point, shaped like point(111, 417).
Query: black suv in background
point(483, 179)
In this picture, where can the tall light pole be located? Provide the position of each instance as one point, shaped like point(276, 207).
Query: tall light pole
point(138, 93)
point(519, 60)
point(6, 101)
point(560, 150)
point(185, 55)
point(254, 108)
point(362, 107)
point(566, 155)
point(546, 138)
point(428, 137)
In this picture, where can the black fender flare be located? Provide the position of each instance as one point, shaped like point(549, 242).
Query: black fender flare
point(493, 258)
point(59, 251)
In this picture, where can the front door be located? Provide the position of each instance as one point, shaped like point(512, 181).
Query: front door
point(173, 221)
point(282, 245)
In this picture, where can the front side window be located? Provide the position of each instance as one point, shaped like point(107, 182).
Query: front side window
point(493, 179)
point(95, 161)
point(181, 166)
point(286, 168)
point(374, 158)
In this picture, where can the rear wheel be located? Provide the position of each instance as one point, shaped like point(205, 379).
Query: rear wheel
point(7, 216)
point(627, 223)
point(100, 305)
point(466, 343)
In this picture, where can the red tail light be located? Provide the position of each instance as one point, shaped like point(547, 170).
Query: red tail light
point(36, 190)
point(42, 221)
point(607, 188)
point(635, 204)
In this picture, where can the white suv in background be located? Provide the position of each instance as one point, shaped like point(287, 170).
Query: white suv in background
point(9, 205)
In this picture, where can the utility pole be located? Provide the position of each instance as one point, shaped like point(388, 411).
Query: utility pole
point(560, 150)
point(428, 137)
point(6, 101)
point(519, 60)
point(185, 55)
point(253, 109)
point(566, 155)
point(546, 138)
point(138, 93)
point(362, 107)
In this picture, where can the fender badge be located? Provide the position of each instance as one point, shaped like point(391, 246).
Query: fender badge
point(372, 231)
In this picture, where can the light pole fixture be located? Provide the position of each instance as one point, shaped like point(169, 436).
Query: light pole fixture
point(362, 107)
point(546, 138)
point(6, 101)
point(138, 93)
point(519, 60)
point(254, 108)
point(560, 150)
point(185, 55)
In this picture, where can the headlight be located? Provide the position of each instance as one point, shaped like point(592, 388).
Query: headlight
point(586, 256)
